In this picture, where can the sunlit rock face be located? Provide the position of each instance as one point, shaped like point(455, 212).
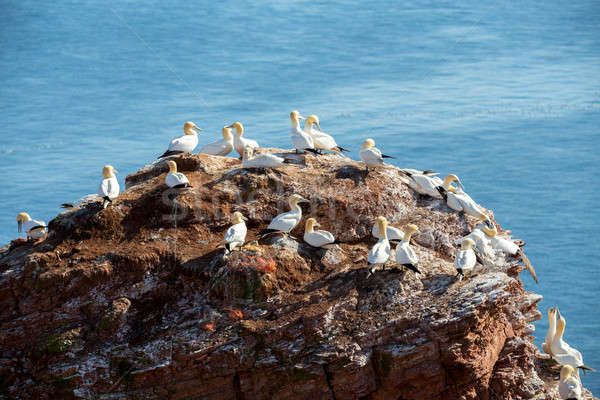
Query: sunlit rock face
point(139, 301)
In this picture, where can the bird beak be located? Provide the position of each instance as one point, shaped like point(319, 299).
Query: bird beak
point(20, 226)
point(115, 171)
point(197, 129)
point(317, 224)
point(459, 183)
point(244, 218)
point(303, 200)
point(229, 126)
point(318, 126)
point(300, 117)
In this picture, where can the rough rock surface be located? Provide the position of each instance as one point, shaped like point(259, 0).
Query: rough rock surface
point(137, 302)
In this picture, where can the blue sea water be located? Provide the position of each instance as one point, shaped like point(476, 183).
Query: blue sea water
point(505, 94)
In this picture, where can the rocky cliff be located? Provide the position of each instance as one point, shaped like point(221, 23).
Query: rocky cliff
point(136, 301)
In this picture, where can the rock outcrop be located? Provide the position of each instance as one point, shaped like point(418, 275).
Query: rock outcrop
point(136, 301)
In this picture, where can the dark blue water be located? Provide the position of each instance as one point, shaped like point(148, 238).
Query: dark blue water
point(504, 94)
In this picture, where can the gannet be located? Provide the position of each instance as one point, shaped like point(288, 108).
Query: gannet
point(176, 179)
point(562, 352)
point(301, 140)
point(322, 141)
point(236, 234)
point(508, 247)
point(285, 222)
point(262, 160)
point(459, 200)
point(426, 183)
point(380, 252)
point(371, 155)
point(405, 255)
point(546, 346)
point(465, 258)
point(33, 228)
point(186, 143)
point(109, 187)
point(240, 142)
point(483, 245)
point(394, 234)
point(220, 147)
point(569, 386)
point(317, 238)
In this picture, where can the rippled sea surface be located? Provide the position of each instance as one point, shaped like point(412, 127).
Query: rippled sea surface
point(505, 94)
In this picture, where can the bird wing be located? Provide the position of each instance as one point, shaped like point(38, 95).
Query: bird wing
point(177, 178)
point(426, 185)
point(236, 233)
point(394, 233)
point(184, 143)
point(286, 221)
point(103, 190)
point(301, 140)
point(218, 148)
point(322, 140)
point(319, 238)
point(453, 202)
point(371, 155)
point(465, 259)
point(380, 252)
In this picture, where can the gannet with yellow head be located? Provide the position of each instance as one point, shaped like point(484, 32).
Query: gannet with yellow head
point(483, 245)
point(109, 187)
point(239, 141)
point(322, 140)
point(427, 184)
point(546, 346)
point(285, 222)
point(34, 229)
point(405, 255)
point(236, 234)
point(176, 179)
point(569, 386)
point(562, 352)
point(465, 258)
point(380, 252)
point(301, 140)
point(220, 147)
point(371, 155)
point(505, 245)
point(186, 143)
point(457, 199)
point(262, 160)
point(317, 238)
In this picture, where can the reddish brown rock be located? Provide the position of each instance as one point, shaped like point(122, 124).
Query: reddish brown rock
point(137, 301)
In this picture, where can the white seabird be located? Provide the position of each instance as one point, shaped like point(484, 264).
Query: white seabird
point(465, 258)
point(176, 179)
point(562, 352)
point(405, 255)
point(371, 155)
point(393, 234)
point(321, 140)
point(109, 187)
point(285, 222)
point(506, 246)
point(220, 147)
point(240, 142)
point(236, 234)
point(424, 182)
point(546, 346)
point(34, 229)
point(301, 140)
point(457, 199)
point(262, 160)
point(569, 386)
point(186, 143)
point(317, 238)
point(380, 252)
